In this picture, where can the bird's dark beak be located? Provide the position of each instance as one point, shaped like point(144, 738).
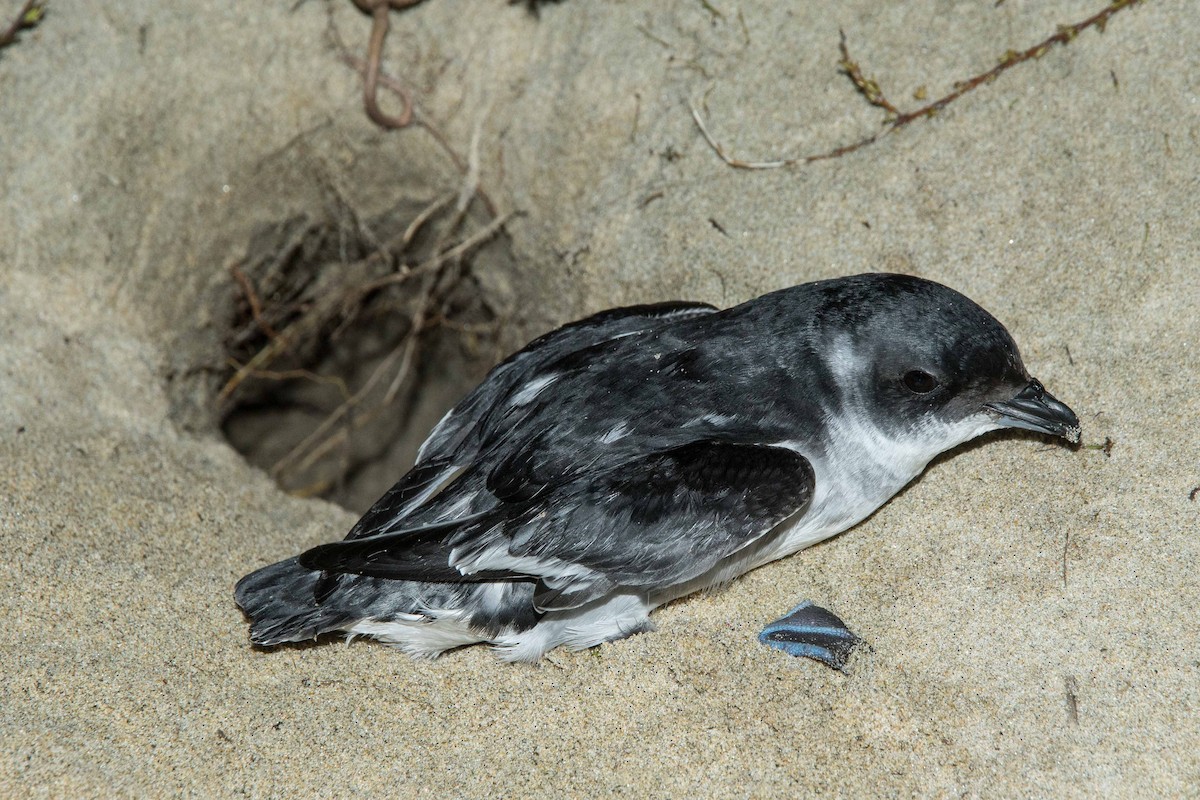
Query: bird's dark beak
point(1035, 409)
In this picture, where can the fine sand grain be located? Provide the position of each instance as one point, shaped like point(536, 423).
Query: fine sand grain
point(1031, 610)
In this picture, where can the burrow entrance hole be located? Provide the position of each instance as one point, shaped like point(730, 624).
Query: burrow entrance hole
point(346, 339)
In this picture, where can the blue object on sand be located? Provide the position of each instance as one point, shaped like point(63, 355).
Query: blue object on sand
point(813, 632)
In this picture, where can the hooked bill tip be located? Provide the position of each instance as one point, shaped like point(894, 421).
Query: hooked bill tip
point(1035, 409)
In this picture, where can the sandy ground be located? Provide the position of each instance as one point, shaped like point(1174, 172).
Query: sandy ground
point(1031, 610)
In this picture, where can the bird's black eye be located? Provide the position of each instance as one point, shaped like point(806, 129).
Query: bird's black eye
point(919, 382)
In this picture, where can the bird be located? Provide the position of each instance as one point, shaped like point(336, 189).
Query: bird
point(645, 453)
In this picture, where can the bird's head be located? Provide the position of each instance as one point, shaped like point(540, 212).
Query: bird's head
point(920, 358)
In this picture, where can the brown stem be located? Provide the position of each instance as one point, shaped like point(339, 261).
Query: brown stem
point(897, 119)
point(379, 30)
point(30, 14)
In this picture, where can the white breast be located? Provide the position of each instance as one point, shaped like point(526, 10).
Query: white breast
point(864, 468)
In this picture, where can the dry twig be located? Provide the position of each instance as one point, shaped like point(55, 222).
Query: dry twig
point(897, 119)
point(29, 16)
point(457, 251)
point(251, 295)
point(256, 364)
point(378, 10)
point(292, 374)
point(312, 445)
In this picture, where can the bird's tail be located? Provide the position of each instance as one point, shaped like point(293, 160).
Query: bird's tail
point(287, 602)
point(281, 602)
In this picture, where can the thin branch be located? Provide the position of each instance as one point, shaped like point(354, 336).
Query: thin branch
point(1010, 59)
point(379, 10)
point(898, 119)
point(466, 245)
point(256, 364)
point(470, 184)
point(293, 374)
point(405, 360)
point(730, 160)
point(419, 220)
point(251, 295)
point(341, 410)
point(29, 16)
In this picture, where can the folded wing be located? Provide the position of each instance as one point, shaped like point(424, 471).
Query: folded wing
point(456, 440)
point(655, 520)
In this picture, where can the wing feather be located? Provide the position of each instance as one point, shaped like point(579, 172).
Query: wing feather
point(456, 440)
point(656, 520)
